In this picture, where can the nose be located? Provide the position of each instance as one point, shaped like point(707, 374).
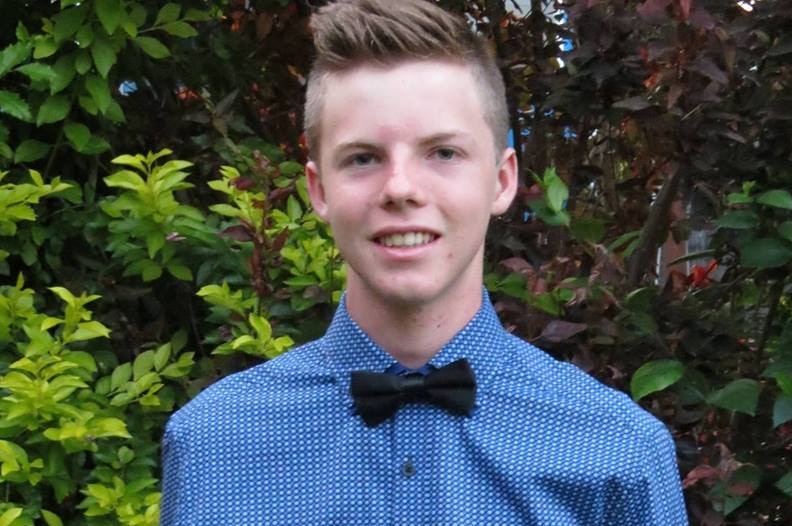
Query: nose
point(402, 185)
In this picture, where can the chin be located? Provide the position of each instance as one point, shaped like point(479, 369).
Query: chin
point(405, 292)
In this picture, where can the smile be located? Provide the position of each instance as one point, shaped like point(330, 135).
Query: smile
point(407, 239)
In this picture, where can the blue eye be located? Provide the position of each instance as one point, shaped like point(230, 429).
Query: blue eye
point(362, 159)
point(445, 154)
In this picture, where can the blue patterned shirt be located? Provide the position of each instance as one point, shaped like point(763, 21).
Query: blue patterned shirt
point(546, 445)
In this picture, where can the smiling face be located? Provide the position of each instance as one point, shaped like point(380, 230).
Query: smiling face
point(407, 177)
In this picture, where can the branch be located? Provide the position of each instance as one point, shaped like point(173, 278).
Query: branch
point(776, 291)
point(655, 228)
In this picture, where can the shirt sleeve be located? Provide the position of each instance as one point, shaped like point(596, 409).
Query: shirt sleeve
point(654, 496)
point(175, 507)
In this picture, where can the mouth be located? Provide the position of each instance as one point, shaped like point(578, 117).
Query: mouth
point(406, 239)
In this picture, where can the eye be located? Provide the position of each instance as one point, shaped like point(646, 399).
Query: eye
point(361, 159)
point(445, 154)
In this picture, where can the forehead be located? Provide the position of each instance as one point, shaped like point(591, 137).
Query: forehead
point(400, 102)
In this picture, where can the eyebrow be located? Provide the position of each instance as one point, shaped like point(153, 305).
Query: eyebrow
point(425, 141)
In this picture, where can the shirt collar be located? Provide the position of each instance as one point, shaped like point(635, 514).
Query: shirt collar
point(482, 341)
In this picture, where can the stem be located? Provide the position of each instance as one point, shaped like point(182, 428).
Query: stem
point(776, 291)
point(654, 229)
point(55, 148)
point(609, 179)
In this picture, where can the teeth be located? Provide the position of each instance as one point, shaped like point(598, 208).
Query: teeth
point(409, 239)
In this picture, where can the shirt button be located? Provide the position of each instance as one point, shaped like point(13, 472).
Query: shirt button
point(408, 468)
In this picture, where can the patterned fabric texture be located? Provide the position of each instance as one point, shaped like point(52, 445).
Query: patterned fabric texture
point(546, 445)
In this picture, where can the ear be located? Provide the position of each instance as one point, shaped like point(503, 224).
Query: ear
point(315, 189)
point(506, 182)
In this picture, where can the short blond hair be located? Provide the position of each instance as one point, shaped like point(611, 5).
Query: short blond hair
point(350, 33)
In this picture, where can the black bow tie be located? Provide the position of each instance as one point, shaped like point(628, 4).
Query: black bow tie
point(379, 395)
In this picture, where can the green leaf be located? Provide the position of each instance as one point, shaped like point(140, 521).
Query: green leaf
point(129, 28)
point(776, 198)
point(37, 72)
point(143, 364)
point(588, 229)
point(88, 104)
point(765, 253)
point(22, 33)
point(196, 15)
point(152, 47)
point(738, 219)
point(150, 271)
point(13, 55)
point(740, 395)
point(83, 359)
point(54, 109)
point(785, 230)
point(782, 410)
point(115, 113)
point(785, 484)
point(100, 91)
point(51, 519)
point(129, 160)
point(31, 150)
point(180, 29)
point(89, 330)
point(64, 294)
point(82, 62)
point(739, 199)
point(64, 73)
point(103, 56)
point(125, 179)
point(262, 327)
point(13, 105)
point(290, 168)
point(109, 13)
point(161, 356)
point(180, 272)
point(67, 22)
point(120, 376)
point(556, 190)
point(109, 427)
point(78, 134)
point(155, 240)
point(168, 13)
point(655, 376)
point(9, 516)
point(45, 47)
point(95, 146)
point(84, 36)
point(293, 208)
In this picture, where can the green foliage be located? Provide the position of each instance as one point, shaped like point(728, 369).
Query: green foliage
point(147, 222)
point(68, 419)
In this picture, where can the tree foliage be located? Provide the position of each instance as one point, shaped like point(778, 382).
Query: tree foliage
point(156, 235)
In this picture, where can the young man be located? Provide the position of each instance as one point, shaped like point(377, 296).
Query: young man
point(416, 407)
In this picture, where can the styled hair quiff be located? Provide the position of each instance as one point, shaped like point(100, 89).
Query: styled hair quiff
point(350, 33)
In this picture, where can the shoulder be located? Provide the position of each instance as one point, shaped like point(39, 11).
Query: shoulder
point(571, 397)
point(295, 374)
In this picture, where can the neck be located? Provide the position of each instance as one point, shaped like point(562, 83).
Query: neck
point(411, 333)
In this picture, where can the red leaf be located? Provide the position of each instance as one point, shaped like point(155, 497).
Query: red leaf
point(237, 233)
point(702, 472)
point(558, 330)
point(516, 264)
point(741, 489)
point(684, 8)
point(702, 19)
point(709, 69)
point(653, 10)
